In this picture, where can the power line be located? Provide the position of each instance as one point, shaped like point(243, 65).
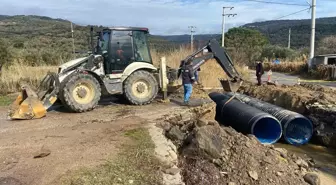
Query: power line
point(272, 2)
point(292, 14)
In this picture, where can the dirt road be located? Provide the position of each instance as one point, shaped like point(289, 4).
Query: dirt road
point(74, 140)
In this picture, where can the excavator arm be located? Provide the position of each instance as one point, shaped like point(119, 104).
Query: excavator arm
point(215, 51)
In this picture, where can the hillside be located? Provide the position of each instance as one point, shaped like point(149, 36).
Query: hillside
point(37, 39)
point(277, 31)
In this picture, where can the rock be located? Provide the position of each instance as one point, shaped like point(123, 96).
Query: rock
point(173, 155)
point(253, 175)
point(187, 116)
point(175, 134)
point(231, 183)
point(187, 127)
point(279, 173)
point(213, 123)
point(166, 126)
point(303, 170)
point(42, 153)
point(312, 179)
point(209, 140)
point(202, 122)
point(300, 162)
point(283, 152)
point(172, 171)
point(131, 181)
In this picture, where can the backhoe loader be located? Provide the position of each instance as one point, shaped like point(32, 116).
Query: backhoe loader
point(120, 63)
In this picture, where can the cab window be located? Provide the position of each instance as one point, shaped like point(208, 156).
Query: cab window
point(140, 47)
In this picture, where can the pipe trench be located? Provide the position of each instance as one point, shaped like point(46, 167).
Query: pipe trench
point(297, 129)
point(246, 119)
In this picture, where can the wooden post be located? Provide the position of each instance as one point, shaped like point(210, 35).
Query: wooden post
point(164, 78)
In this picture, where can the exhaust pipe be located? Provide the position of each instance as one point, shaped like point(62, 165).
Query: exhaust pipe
point(297, 129)
point(246, 119)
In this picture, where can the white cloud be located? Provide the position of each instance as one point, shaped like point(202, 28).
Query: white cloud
point(161, 16)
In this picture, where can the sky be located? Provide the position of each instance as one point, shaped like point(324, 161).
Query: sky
point(166, 17)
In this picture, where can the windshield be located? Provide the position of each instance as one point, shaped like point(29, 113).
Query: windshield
point(140, 47)
point(103, 40)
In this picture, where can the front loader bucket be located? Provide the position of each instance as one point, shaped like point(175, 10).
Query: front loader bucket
point(32, 105)
point(27, 106)
point(231, 85)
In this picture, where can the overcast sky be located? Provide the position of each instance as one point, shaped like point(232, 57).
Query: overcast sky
point(164, 16)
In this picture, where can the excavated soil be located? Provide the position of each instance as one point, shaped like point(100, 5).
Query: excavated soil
point(316, 102)
point(197, 93)
point(210, 154)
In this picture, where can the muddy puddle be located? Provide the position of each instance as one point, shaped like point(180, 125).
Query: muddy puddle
point(324, 158)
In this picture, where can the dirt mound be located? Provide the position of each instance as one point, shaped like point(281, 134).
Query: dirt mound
point(210, 154)
point(295, 98)
point(197, 93)
point(316, 102)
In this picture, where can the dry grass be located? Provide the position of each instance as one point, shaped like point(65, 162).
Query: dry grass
point(295, 66)
point(135, 164)
point(12, 76)
point(286, 67)
point(210, 72)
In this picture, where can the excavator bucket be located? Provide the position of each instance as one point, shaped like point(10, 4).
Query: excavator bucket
point(231, 85)
point(32, 105)
point(27, 105)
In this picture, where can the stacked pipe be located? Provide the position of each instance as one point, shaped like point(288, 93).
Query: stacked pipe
point(246, 119)
point(297, 129)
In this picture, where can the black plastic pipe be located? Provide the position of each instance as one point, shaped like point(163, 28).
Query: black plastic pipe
point(297, 129)
point(246, 119)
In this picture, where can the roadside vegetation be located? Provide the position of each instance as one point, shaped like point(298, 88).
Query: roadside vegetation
point(6, 100)
point(134, 164)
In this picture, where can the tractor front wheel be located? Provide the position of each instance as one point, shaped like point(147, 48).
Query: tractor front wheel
point(81, 92)
point(140, 88)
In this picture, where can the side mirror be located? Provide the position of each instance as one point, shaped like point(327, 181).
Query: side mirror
point(101, 36)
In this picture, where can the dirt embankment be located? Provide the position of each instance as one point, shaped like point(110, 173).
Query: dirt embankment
point(316, 102)
point(213, 155)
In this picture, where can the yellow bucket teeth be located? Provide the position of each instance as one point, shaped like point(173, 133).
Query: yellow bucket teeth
point(27, 106)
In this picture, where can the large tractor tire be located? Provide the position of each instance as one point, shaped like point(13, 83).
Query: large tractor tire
point(81, 92)
point(141, 88)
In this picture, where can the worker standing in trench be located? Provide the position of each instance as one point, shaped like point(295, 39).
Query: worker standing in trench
point(188, 79)
point(259, 71)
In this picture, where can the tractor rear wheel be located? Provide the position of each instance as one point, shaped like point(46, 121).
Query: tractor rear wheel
point(140, 88)
point(81, 92)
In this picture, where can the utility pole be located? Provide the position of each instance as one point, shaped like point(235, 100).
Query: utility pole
point(223, 23)
point(289, 39)
point(312, 40)
point(73, 40)
point(192, 37)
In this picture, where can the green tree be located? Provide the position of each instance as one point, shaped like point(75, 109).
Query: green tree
point(245, 44)
point(271, 52)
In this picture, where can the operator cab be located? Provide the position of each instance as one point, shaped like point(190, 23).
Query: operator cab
point(121, 46)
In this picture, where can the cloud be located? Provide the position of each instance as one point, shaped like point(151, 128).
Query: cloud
point(161, 16)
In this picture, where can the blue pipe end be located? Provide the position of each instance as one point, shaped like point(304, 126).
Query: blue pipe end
point(267, 130)
point(298, 131)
